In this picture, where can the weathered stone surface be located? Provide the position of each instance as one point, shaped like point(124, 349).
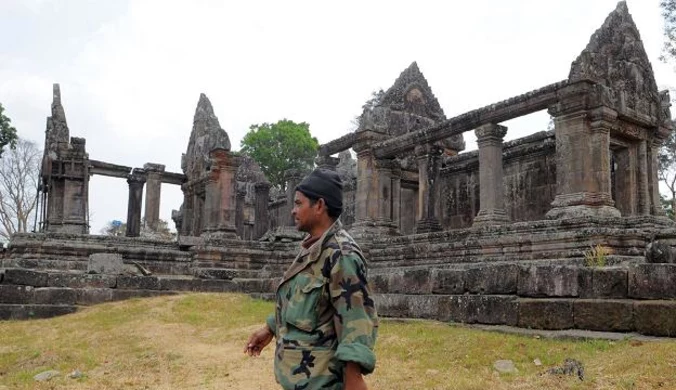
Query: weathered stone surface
point(55, 296)
point(46, 375)
point(546, 313)
point(603, 315)
point(26, 312)
point(392, 305)
point(81, 280)
point(119, 295)
point(483, 309)
point(106, 263)
point(26, 277)
point(652, 281)
point(448, 281)
point(15, 294)
point(93, 296)
point(138, 282)
point(603, 282)
point(492, 279)
point(548, 281)
point(216, 285)
point(505, 366)
point(657, 318)
point(216, 273)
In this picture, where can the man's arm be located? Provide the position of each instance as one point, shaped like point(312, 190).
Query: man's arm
point(355, 320)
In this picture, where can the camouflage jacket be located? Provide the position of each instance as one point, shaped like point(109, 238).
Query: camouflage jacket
point(324, 315)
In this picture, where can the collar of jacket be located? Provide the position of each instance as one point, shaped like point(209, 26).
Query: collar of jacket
point(311, 254)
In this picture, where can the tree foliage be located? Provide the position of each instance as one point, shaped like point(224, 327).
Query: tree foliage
point(280, 146)
point(669, 15)
point(374, 100)
point(7, 132)
point(114, 228)
point(19, 171)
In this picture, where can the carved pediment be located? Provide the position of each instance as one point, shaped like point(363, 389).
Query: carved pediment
point(206, 136)
point(615, 58)
point(411, 93)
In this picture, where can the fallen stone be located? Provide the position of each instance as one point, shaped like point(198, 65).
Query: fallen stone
point(570, 367)
point(77, 374)
point(537, 362)
point(505, 367)
point(46, 375)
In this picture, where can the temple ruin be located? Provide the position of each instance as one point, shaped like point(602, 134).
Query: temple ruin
point(494, 236)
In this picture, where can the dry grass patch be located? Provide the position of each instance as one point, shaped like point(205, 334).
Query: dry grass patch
point(194, 342)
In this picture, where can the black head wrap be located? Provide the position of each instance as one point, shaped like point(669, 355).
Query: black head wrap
point(325, 184)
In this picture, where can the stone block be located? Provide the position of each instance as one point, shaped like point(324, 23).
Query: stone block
point(81, 280)
point(26, 277)
point(546, 313)
point(10, 293)
point(138, 282)
point(2, 272)
point(655, 318)
point(492, 310)
point(603, 282)
point(415, 281)
point(492, 279)
point(379, 283)
point(548, 281)
point(219, 286)
point(93, 296)
point(216, 273)
point(448, 281)
point(27, 312)
point(392, 305)
point(652, 281)
point(604, 315)
point(423, 306)
point(106, 263)
point(119, 295)
point(55, 296)
point(173, 284)
point(452, 308)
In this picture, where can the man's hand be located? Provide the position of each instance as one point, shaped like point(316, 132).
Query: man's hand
point(258, 340)
point(354, 380)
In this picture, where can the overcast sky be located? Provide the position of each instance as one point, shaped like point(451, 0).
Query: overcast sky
point(131, 71)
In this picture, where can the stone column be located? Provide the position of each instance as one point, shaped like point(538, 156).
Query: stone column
point(239, 211)
point(643, 176)
point(491, 186)
point(654, 182)
point(582, 154)
point(429, 163)
point(327, 162)
point(136, 180)
point(261, 211)
point(153, 191)
point(220, 193)
point(396, 194)
point(293, 177)
point(384, 193)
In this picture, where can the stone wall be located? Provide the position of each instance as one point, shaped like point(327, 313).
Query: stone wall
point(529, 182)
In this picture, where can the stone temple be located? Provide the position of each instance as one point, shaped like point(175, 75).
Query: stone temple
point(496, 236)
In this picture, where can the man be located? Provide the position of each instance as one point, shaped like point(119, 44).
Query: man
point(325, 321)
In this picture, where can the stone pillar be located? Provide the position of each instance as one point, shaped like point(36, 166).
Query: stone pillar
point(327, 162)
point(654, 182)
point(220, 193)
point(396, 194)
point(239, 211)
point(491, 186)
point(136, 180)
point(384, 194)
point(261, 211)
point(429, 164)
point(582, 154)
point(293, 177)
point(153, 191)
point(643, 179)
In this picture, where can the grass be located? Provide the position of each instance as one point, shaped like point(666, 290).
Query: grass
point(194, 342)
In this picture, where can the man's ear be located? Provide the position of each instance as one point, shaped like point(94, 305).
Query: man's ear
point(321, 204)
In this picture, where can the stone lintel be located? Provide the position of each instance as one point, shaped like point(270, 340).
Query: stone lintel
point(365, 140)
point(153, 167)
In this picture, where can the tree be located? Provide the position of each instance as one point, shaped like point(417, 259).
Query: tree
point(19, 171)
point(280, 146)
point(7, 132)
point(376, 98)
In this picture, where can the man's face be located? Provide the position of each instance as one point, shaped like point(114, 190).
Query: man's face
point(304, 214)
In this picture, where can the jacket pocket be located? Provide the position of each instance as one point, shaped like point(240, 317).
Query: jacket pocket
point(302, 310)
